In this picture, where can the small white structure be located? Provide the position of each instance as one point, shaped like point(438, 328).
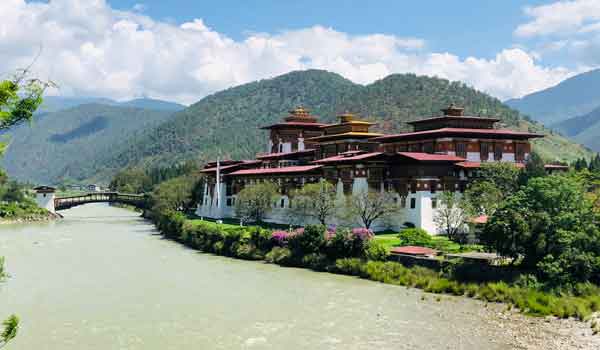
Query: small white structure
point(45, 197)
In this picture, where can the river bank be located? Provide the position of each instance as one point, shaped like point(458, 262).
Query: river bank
point(104, 278)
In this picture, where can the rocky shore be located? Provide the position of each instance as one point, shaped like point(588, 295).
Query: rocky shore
point(540, 333)
point(30, 219)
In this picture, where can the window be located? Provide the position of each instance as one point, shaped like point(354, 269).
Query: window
point(282, 203)
point(498, 151)
point(484, 151)
point(428, 147)
point(520, 152)
point(434, 203)
point(413, 203)
point(461, 149)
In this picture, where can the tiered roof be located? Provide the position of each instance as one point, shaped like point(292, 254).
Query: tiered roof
point(298, 117)
point(347, 128)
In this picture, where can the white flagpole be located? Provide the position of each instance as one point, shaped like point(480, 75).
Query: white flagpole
point(218, 187)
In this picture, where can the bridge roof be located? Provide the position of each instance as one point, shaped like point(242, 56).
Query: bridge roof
point(44, 189)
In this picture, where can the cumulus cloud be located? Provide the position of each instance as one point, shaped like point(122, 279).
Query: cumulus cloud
point(562, 17)
point(91, 49)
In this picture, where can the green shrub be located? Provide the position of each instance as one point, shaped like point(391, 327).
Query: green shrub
point(350, 266)
point(315, 261)
point(312, 240)
point(280, 256)
point(415, 236)
point(376, 251)
point(249, 252)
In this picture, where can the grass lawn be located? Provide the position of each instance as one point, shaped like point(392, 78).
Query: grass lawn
point(442, 243)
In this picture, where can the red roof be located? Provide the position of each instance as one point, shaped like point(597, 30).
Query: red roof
point(495, 132)
point(283, 170)
point(284, 124)
point(223, 167)
point(454, 118)
point(413, 250)
point(431, 157)
point(556, 166)
point(479, 220)
point(344, 158)
point(283, 154)
point(475, 165)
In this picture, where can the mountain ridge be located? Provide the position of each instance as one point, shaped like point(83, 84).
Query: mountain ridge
point(227, 122)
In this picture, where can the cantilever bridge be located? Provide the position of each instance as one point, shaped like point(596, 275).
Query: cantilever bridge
point(137, 200)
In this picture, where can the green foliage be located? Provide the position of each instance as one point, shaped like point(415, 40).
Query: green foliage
point(131, 181)
point(314, 201)
point(77, 144)
point(533, 168)
point(415, 236)
point(10, 329)
point(255, 201)
point(312, 240)
point(174, 194)
point(279, 255)
point(495, 182)
point(552, 226)
point(228, 121)
point(376, 251)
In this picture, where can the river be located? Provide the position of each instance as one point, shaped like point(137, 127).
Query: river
point(102, 278)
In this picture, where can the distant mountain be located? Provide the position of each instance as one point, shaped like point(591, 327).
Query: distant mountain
point(227, 122)
point(584, 129)
point(57, 103)
point(67, 144)
point(157, 105)
point(573, 97)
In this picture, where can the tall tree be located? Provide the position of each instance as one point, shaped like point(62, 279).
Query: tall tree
point(451, 215)
point(551, 224)
point(255, 201)
point(366, 207)
point(533, 168)
point(316, 201)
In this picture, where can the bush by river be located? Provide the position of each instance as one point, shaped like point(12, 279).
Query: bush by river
point(353, 252)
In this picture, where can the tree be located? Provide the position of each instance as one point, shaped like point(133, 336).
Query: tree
point(368, 206)
point(19, 99)
point(174, 194)
point(533, 168)
point(255, 201)
point(451, 215)
point(483, 198)
point(550, 225)
point(315, 200)
point(503, 175)
point(131, 180)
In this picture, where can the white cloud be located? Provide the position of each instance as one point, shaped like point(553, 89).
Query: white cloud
point(91, 49)
point(562, 17)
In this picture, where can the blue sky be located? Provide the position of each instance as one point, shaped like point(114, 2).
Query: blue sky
point(467, 28)
point(183, 50)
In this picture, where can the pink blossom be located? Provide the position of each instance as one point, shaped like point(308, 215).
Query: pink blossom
point(362, 233)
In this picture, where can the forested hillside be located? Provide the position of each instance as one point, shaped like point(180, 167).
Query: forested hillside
point(67, 144)
point(584, 129)
point(228, 121)
point(573, 97)
point(60, 103)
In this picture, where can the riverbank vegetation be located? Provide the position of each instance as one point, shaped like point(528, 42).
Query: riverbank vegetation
point(546, 225)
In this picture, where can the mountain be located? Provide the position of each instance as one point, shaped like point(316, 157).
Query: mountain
point(575, 96)
point(584, 129)
point(227, 122)
point(57, 103)
point(66, 144)
point(148, 103)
